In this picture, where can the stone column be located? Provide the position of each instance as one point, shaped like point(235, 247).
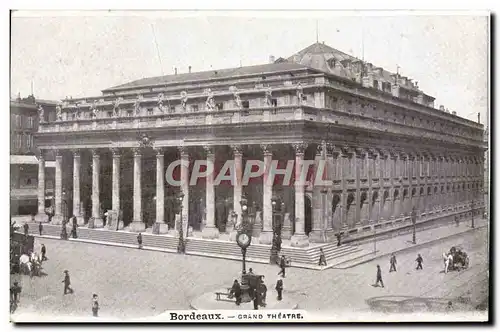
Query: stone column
point(210, 231)
point(266, 236)
point(359, 160)
point(331, 161)
point(317, 233)
point(137, 225)
point(41, 216)
point(238, 173)
point(58, 217)
point(160, 190)
point(76, 187)
point(299, 238)
point(184, 155)
point(344, 167)
point(97, 221)
point(115, 187)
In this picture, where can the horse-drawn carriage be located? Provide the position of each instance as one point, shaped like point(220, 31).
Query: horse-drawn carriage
point(460, 259)
point(22, 257)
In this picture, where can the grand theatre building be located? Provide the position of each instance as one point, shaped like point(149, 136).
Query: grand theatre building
point(387, 148)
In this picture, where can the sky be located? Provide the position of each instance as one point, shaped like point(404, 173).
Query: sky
point(79, 54)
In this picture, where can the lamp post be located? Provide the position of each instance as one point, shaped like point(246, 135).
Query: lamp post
point(181, 246)
point(244, 239)
point(472, 212)
point(414, 222)
point(277, 223)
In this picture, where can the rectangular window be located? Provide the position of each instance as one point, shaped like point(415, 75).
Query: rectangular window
point(150, 111)
point(274, 102)
point(194, 108)
point(245, 104)
point(375, 84)
point(129, 113)
point(219, 106)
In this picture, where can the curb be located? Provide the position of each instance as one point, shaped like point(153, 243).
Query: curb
point(415, 246)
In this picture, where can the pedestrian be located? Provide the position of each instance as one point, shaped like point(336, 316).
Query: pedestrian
point(262, 291)
point(95, 305)
point(64, 233)
point(250, 271)
point(338, 236)
point(67, 283)
point(279, 289)
point(139, 240)
point(379, 277)
point(44, 252)
point(419, 261)
point(15, 290)
point(449, 307)
point(26, 228)
point(236, 291)
point(40, 228)
point(282, 266)
point(393, 263)
point(256, 299)
point(73, 229)
point(457, 221)
point(322, 258)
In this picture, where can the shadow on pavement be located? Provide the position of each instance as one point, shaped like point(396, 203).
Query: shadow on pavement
point(408, 304)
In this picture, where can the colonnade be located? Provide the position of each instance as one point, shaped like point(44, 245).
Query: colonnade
point(368, 185)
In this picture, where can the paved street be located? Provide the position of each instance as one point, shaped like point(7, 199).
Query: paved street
point(133, 283)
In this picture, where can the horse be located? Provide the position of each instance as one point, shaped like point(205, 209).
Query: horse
point(448, 261)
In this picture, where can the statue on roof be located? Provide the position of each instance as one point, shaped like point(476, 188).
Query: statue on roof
point(58, 112)
point(236, 96)
point(40, 112)
point(269, 96)
point(161, 97)
point(116, 106)
point(300, 94)
point(94, 109)
point(184, 99)
point(137, 106)
point(210, 103)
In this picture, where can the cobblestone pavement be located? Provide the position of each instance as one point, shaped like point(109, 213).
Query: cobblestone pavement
point(132, 283)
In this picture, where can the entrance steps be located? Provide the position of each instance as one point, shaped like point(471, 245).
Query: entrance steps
point(259, 253)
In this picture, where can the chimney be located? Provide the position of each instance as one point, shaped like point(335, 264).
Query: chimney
point(190, 69)
point(447, 111)
point(441, 108)
point(271, 59)
point(454, 113)
point(175, 70)
point(478, 117)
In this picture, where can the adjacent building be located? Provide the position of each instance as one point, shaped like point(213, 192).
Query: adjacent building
point(24, 117)
point(388, 149)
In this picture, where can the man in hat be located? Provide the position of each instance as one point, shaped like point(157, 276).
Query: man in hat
point(26, 228)
point(139, 240)
point(379, 277)
point(322, 258)
point(44, 252)
point(95, 305)
point(419, 261)
point(282, 266)
point(279, 289)
point(393, 262)
point(15, 290)
point(236, 291)
point(67, 283)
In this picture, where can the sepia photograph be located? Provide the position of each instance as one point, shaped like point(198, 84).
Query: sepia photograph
point(249, 166)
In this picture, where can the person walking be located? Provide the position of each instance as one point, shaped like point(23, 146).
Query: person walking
point(95, 305)
point(40, 228)
point(64, 233)
point(339, 237)
point(282, 266)
point(262, 291)
point(26, 228)
point(236, 292)
point(322, 258)
point(393, 263)
point(379, 277)
point(73, 228)
point(15, 290)
point(419, 261)
point(279, 289)
point(139, 240)
point(67, 283)
point(44, 252)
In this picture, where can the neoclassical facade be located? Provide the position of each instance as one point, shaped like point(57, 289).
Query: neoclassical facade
point(387, 149)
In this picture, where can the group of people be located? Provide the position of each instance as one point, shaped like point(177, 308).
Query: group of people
point(393, 262)
point(257, 290)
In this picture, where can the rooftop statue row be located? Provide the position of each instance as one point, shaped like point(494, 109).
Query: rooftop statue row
point(162, 102)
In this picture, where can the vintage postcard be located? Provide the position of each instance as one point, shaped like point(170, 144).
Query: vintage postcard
point(258, 166)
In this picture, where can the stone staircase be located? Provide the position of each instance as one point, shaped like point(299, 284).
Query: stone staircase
point(258, 253)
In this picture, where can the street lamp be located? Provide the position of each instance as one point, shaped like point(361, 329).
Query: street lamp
point(277, 224)
point(414, 222)
point(244, 239)
point(181, 246)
